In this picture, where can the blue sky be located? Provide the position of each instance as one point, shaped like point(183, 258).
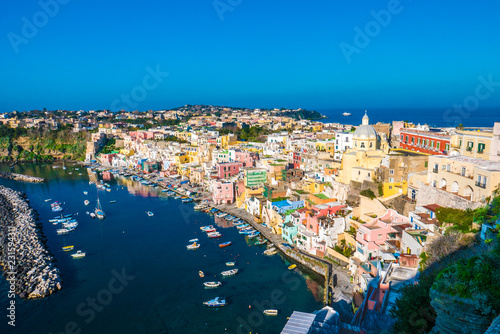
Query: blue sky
point(249, 53)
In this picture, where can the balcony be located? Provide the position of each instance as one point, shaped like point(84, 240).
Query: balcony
point(481, 185)
point(435, 170)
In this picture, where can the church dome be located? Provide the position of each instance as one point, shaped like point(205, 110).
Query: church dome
point(365, 130)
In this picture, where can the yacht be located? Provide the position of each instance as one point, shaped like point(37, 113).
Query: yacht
point(78, 255)
point(346, 113)
point(216, 302)
point(228, 273)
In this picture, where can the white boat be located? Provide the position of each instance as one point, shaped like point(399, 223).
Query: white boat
point(212, 284)
point(92, 215)
point(62, 231)
point(270, 251)
point(271, 312)
point(346, 113)
point(99, 213)
point(86, 202)
point(194, 245)
point(150, 214)
point(85, 192)
point(78, 255)
point(193, 240)
point(228, 273)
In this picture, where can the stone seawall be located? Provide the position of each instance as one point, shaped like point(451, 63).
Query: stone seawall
point(27, 265)
point(21, 177)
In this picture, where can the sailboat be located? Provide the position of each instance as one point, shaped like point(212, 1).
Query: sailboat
point(99, 212)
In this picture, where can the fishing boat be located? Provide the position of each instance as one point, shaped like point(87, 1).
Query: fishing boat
point(86, 202)
point(214, 235)
point(62, 231)
point(225, 244)
point(212, 284)
point(194, 245)
point(228, 273)
point(201, 273)
point(230, 264)
point(270, 251)
point(78, 255)
point(260, 242)
point(99, 213)
point(68, 248)
point(242, 226)
point(271, 312)
point(57, 209)
point(208, 227)
point(193, 240)
point(113, 201)
point(292, 267)
point(253, 234)
point(150, 214)
point(216, 302)
point(210, 230)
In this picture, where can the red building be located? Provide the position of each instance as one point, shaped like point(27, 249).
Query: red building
point(296, 160)
point(434, 143)
point(228, 169)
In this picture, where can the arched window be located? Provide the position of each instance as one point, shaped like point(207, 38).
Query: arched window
point(371, 144)
point(362, 145)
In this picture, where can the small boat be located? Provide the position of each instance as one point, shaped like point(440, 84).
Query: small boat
point(212, 284)
point(271, 312)
point(230, 264)
point(208, 227)
point(292, 267)
point(62, 231)
point(92, 215)
point(214, 235)
point(270, 251)
point(194, 245)
point(68, 248)
point(99, 213)
point(253, 234)
point(57, 209)
point(86, 202)
point(228, 273)
point(150, 214)
point(210, 230)
point(260, 242)
point(48, 200)
point(193, 240)
point(201, 273)
point(216, 302)
point(346, 114)
point(85, 192)
point(225, 244)
point(113, 201)
point(78, 255)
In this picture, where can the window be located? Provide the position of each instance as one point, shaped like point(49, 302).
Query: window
point(470, 145)
point(391, 180)
point(448, 167)
point(406, 139)
point(362, 145)
point(418, 141)
point(443, 167)
point(402, 138)
point(463, 171)
point(379, 237)
point(426, 163)
point(412, 140)
point(447, 147)
point(432, 143)
point(371, 144)
point(438, 144)
point(480, 147)
point(391, 171)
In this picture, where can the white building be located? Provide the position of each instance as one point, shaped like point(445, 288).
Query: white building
point(343, 141)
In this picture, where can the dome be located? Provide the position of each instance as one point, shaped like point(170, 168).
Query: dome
point(365, 130)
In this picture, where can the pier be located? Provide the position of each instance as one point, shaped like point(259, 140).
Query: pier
point(21, 177)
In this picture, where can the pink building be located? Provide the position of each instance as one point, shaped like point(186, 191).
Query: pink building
point(330, 208)
point(228, 169)
point(106, 159)
point(223, 192)
point(245, 158)
point(371, 236)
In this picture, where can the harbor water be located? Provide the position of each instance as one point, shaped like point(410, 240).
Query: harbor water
point(138, 276)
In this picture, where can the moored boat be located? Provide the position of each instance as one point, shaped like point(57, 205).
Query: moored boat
point(212, 284)
point(293, 266)
point(194, 245)
point(201, 273)
point(225, 244)
point(86, 202)
point(193, 240)
point(230, 264)
point(150, 214)
point(78, 255)
point(68, 248)
point(271, 312)
point(228, 273)
point(270, 251)
point(216, 302)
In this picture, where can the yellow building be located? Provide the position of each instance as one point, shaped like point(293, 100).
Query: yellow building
point(477, 144)
point(360, 163)
point(314, 187)
point(127, 151)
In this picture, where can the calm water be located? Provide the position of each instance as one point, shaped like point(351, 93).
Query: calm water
point(161, 291)
point(440, 117)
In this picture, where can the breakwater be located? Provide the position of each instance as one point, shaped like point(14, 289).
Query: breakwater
point(21, 177)
point(27, 265)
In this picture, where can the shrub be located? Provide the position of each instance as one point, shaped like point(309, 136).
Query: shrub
point(368, 193)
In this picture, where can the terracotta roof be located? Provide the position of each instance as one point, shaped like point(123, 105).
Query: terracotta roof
point(432, 207)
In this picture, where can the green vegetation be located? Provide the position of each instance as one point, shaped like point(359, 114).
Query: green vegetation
point(254, 133)
point(321, 196)
point(42, 144)
point(344, 249)
point(460, 220)
point(380, 190)
point(475, 278)
point(303, 114)
point(109, 147)
point(368, 193)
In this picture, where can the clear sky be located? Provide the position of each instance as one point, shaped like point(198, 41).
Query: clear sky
point(250, 53)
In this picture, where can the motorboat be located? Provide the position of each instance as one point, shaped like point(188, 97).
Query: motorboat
point(68, 248)
point(85, 192)
point(62, 231)
point(150, 214)
point(193, 240)
point(78, 255)
point(201, 273)
point(228, 273)
point(216, 302)
point(271, 312)
point(230, 264)
point(212, 284)
point(205, 228)
point(292, 267)
point(260, 242)
point(346, 114)
point(253, 234)
point(270, 251)
point(214, 235)
point(194, 245)
point(210, 230)
point(86, 202)
point(225, 244)
point(92, 215)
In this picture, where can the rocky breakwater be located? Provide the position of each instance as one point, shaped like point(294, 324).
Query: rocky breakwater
point(21, 177)
point(28, 266)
